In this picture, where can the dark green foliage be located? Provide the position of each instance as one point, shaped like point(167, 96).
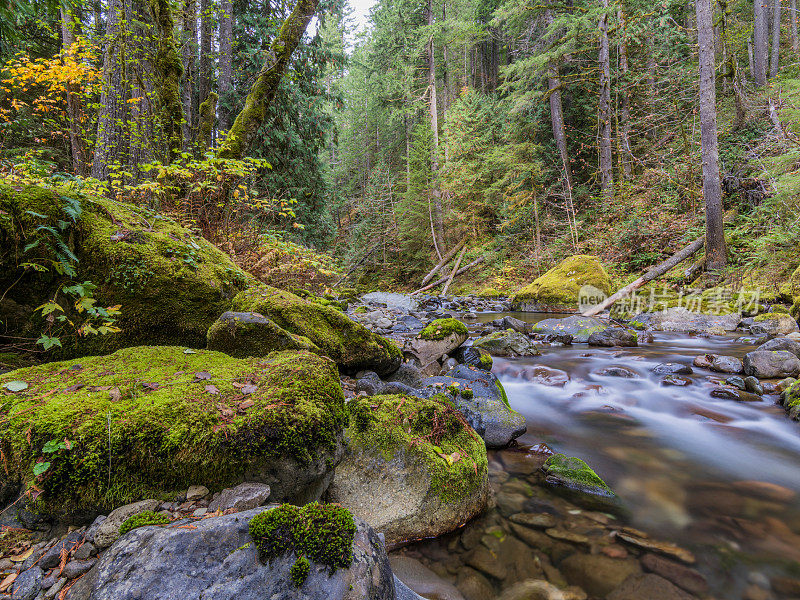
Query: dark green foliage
point(299, 571)
point(144, 518)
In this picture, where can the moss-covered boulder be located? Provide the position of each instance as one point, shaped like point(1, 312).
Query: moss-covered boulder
point(148, 422)
point(576, 480)
point(244, 334)
point(352, 346)
point(774, 323)
point(414, 468)
point(507, 343)
point(790, 398)
point(171, 284)
point(559, 288)
point(438, 338)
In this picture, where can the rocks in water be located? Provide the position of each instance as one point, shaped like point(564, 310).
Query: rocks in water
point(574, 479)
point(616, 371)
point(175, 419)
point(718, 363)
point(580, 328)
point(781, 343)
point(474, 357)
point(681, 319)
point(243, 334)
point(732, 393)
point(753, 385)
point(437, 339)
point(217, 558)
point(640, 540)
point(511, 323)
point(676, 380)
point(672, 369)
point(648, 587)
point(614, 336)
point(422, 580)
point(245, 496)
point(413, 468)
point(507, 343)
point(352, 346)
point(773, 324)
point(682, 576)
point(537, 589)
point(774, 363)
point(559, 289)
point(736, 382)
point(597, 574)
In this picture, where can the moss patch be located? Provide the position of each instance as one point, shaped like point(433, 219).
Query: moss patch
point(430, 430)
point(792, 396)
point(322, 533)
point(574, 470)
point(144, 518)
point(174, 419)
point(561, 284)
point(441, 328)
point(351, 345)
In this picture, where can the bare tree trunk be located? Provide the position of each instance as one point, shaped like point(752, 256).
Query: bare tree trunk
point(760, 45)
point(751, 59)
point(434, 113)
point(69, 26)
point(557, 116)
point(625, 116)
point(205, 75)
point(712, 192)
point(604, 112)
point(189, 56)
point(776, 38)
point(793, 25)
point(225, 83)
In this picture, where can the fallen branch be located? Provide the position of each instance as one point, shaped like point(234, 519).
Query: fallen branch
point(656, 271)
point(445, 259)
point(464, 269)
point(455, 270)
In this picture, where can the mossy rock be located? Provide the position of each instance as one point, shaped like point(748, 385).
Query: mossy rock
point(414, 468)
point(143, 519)
point(351, 345)
point(171, 284)
point(251, 334)
point(576, 480)
point(164, 419)
point(559, 288)
point(439, 329)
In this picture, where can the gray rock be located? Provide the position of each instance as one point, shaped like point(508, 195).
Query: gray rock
point(781, 343)
point(680, 319)
point(422, 580)
point(615, 371)
point(614, 336)
point(475, 357)
point(27, 584)
point(731, 393)
point(53, 591)
point(76, 568)
point(672, 369)
point(196, 492)
point(108, 531)
point(768, 364)
point(218, 560)
point(244, 496)
point(726, 364)
point(408, 375)
point(580, 328)
point(774, 324)
point(507, 343)
point(52, 557)
point(752, 385)
point(85, 551)
point(92, 530)
point(516, 324)
point(736, 382)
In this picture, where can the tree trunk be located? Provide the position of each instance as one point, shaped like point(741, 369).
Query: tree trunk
point(625, 110)
point(776, 38)
point(604, 113)
point(69, 26)
point(168, 69)
point(557, 116)
point(205, 76)
point(189, 55)
point(793, 24)
point(225, 83)
point(712, 192)
point(760, 45)
point(455, 270)
point(264, 89)
point(434, 114)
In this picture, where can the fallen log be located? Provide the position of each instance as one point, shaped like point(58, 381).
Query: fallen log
point(464, 269)
point(455, 270)
point(656, 271)
point(445, 259)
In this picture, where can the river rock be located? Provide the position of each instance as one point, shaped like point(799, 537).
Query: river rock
point(473, 585)
point(422, 580)
point(108, 531)
point(27, 584)
point(537, 589)
point(243, 334)
point(473, 357)
point(413, 469)
point(561, 288)
point(598, 574)
point(217, 559)
point(614, 336)
point(753, 385)
point(726, 364)
point(440, 337)
point(512, 323)
point(544, 375)
point(245, 496)
point(781, 343)
point(648, 587)
point(403, 592)
point(682, 576)
point(407, 374)
point(767, 364)
point(580, 328)
point(672, 369)
point(616, 371)
point(507, 343)
point(573, 478)
point(676, 380)
point(681, 319)
point(773, 324)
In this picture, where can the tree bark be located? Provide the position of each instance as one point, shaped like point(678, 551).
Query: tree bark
point(557, 116)
point(793, 24)
point(712, 192)
point(205, 75)
point(760, 45)
point(776, 38)
point(445, 259)
point(434, 115)
point(69, 27)
point(225, 83)
point(625, 110)
point(189, 56)
point(604, 112)
point(266, 86)
point(169, 70)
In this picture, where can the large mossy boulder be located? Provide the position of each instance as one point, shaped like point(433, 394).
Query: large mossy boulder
point(351, 345)
point(245, 334)
point(558, 290)
point(413, 468)
point(171, 284)
point(148, 422)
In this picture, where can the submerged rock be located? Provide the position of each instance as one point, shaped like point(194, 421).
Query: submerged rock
point(176, 419)
point(558, 289)
point(507, 343)
point(681, 319)
point(580, 328)
point(574, 479)
point(413, 467)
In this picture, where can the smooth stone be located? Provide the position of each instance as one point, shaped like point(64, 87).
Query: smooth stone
point(726, 364)
point(598, 574)
point(567, 536)
point(85, 551)
point(245, 496)
point(781, 343)
point(108, 531)
point(534, 589)
point(617, 372)
point(76, 568)
point(422, 580)
point(53, 591)
point(765, 490)
point(772, 363)
point(485, 561)
point(535, 520)
point(672, 369)
point(200, 512)
point(648, 587)
point(727, 393)
point(753, 385)
point(661, 547)
point(196, 492)
point(682, 576)
point(473, 585)
point(613, 337)
point(676, 381)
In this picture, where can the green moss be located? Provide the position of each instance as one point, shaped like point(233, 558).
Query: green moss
point(322, 533)
point(144, 518)
point(792, 396)
point(561, 284)
point(574, 470)
point(360, 310)
point(351, 345)
point(502, 390)
point(486, 360)
point(243, 335)
point(428, 430)
point(768, 317)
point(637, 325)
point(163, 428)
point(441, 328)
point(780, 309)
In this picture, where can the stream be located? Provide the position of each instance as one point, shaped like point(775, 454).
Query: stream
point(713, 476)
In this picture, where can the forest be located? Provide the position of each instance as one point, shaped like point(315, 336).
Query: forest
point(394, 300)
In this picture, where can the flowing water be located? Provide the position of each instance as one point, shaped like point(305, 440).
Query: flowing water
point(715, 476)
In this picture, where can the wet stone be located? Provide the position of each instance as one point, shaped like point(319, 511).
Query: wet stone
point(567, 536)
point(485, 561)
point(617, 372)
point(753, 385)
point(648, 587)
point(682, 576)
point(597, 574)
point(672, 369)
point(661, 547)
point(727, 393)
point(537, 521)
point(473, 585)
point(676, 381)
